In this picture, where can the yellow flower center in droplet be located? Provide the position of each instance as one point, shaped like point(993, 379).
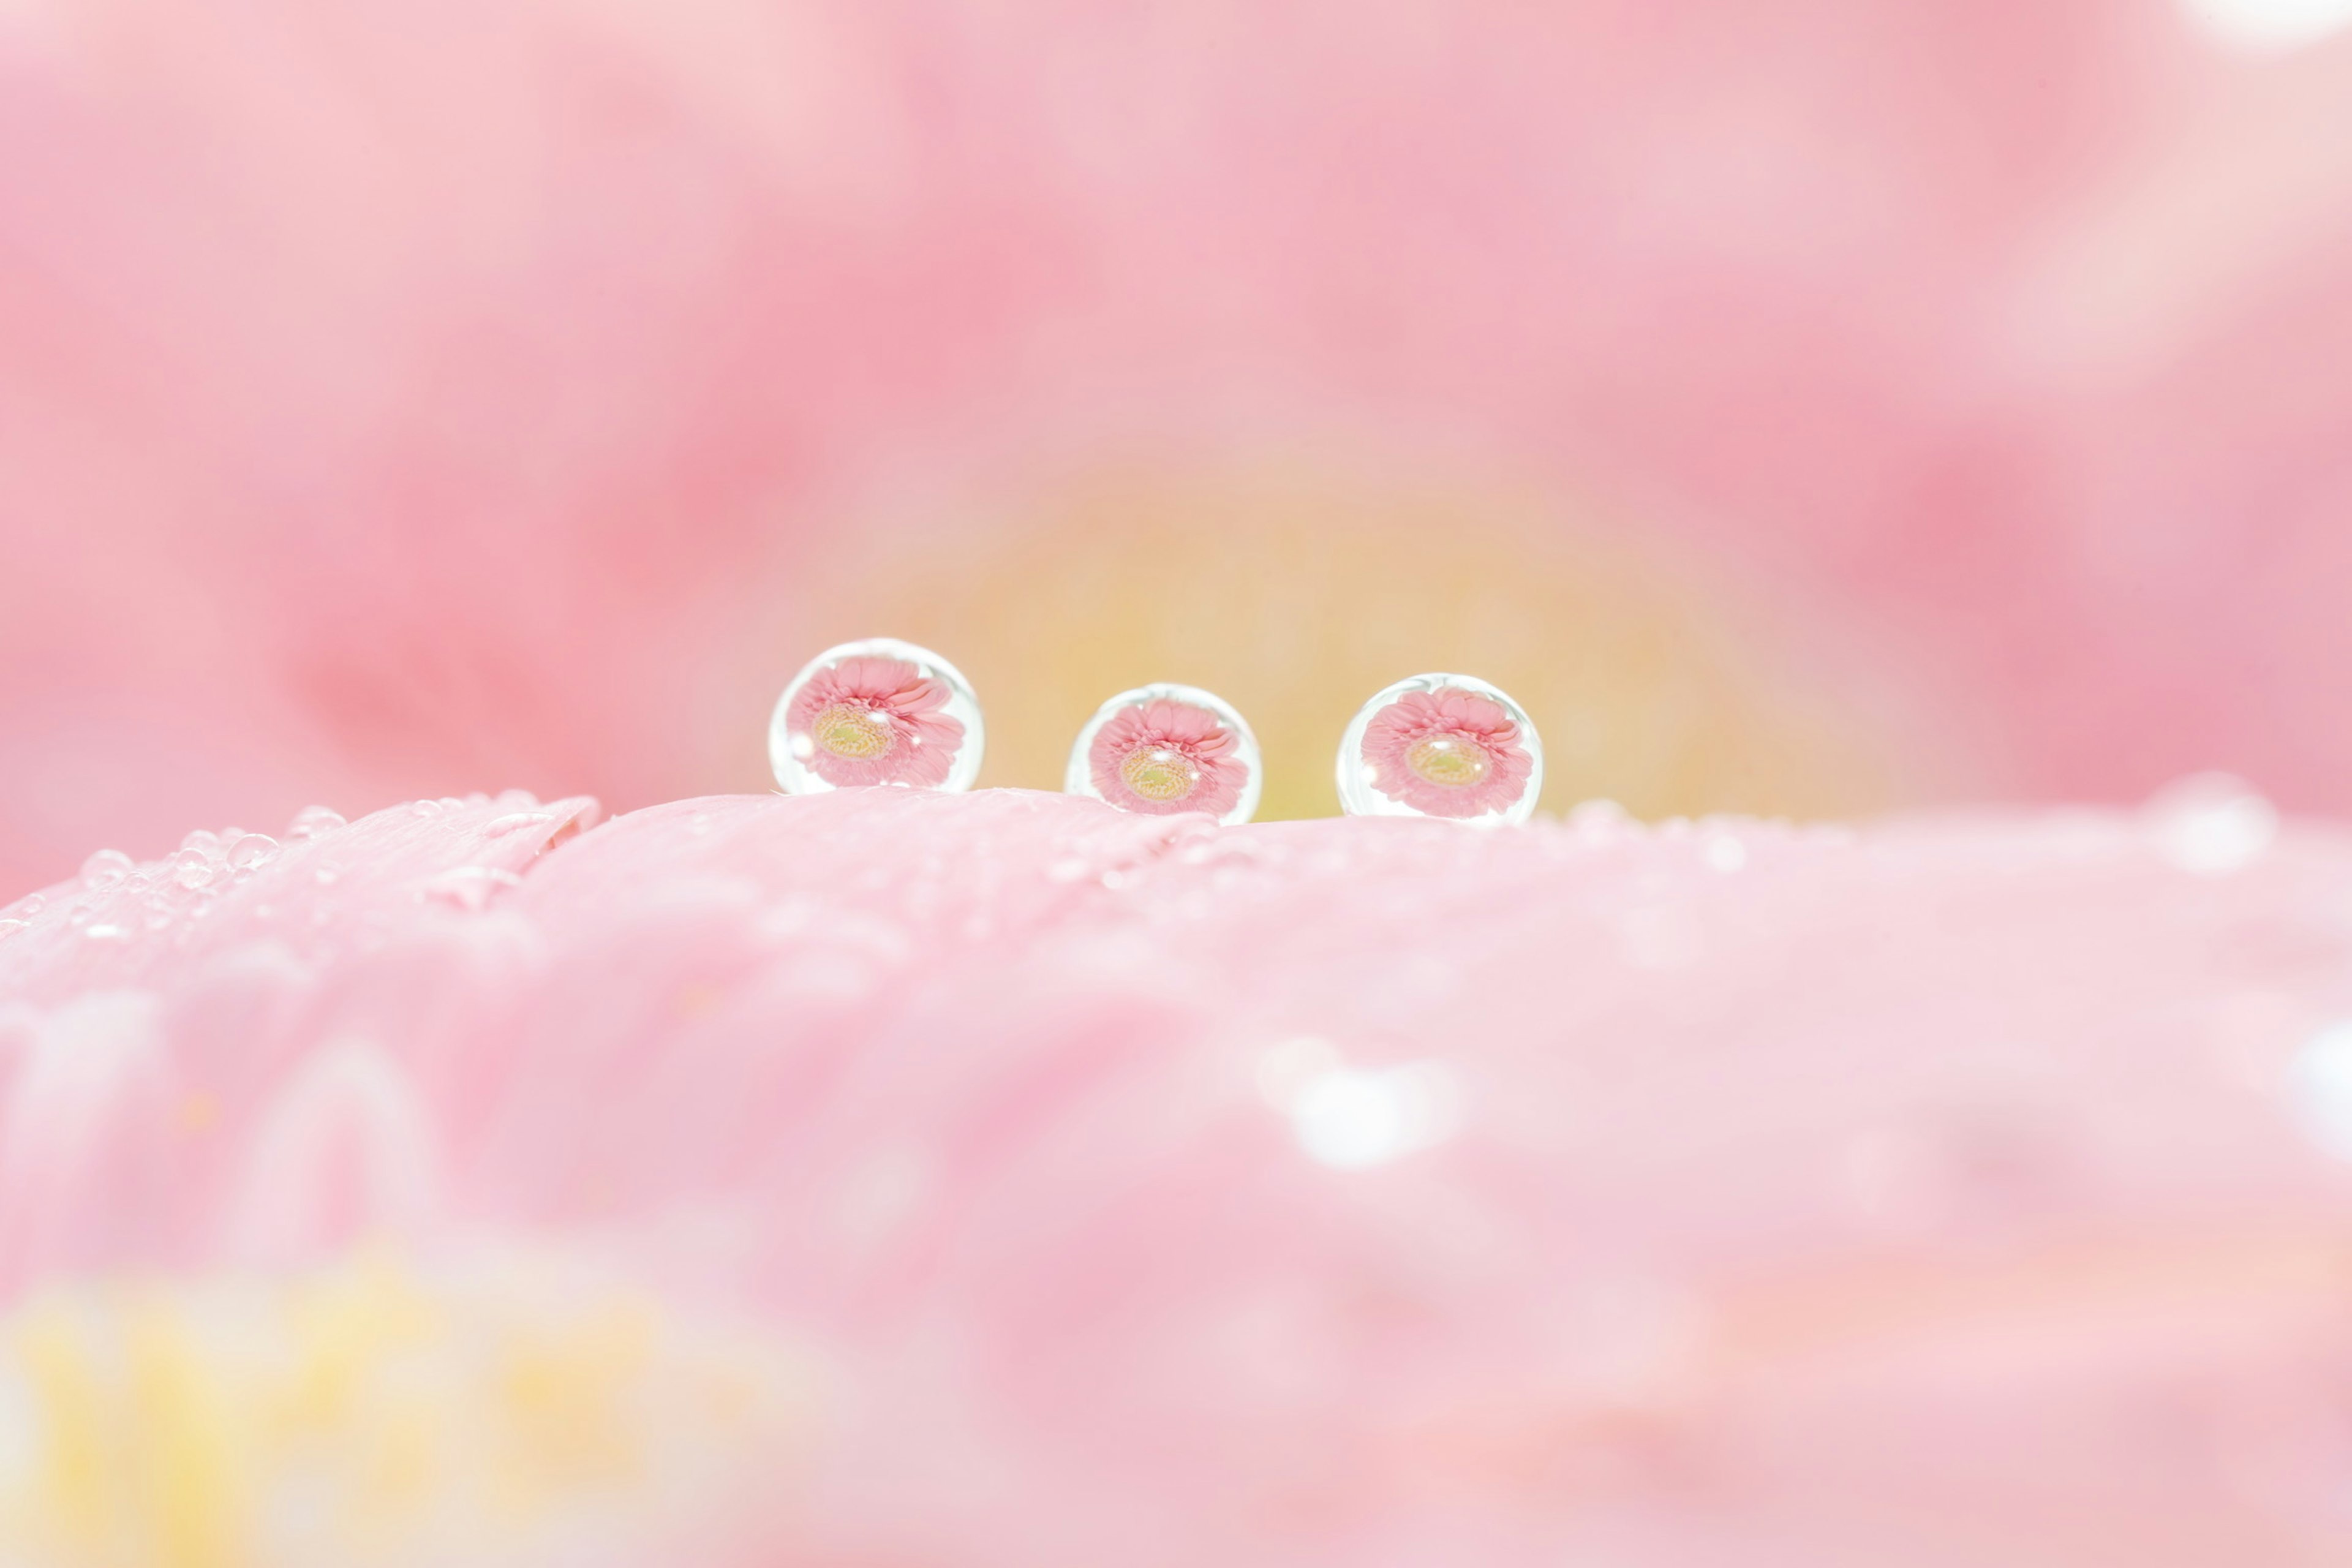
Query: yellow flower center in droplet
point(1159, 773)
point(1448, 760)
point(847, 730)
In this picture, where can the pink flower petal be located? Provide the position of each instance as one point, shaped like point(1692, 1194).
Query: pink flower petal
point(1267, 1194)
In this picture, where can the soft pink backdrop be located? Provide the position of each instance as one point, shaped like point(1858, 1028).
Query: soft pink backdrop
point(407, 398)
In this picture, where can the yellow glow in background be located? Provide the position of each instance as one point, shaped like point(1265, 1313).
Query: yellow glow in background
point(1295, 592)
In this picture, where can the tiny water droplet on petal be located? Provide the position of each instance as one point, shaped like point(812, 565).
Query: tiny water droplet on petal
point(250, 850)
point(106, 867)
point(515, 822)
point(314, 820)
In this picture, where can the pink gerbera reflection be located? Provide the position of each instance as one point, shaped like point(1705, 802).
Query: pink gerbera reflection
point(874, 721)
point(1447, 753)
point(1165, 756)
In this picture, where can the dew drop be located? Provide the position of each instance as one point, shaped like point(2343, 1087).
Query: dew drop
point(203, 842)
point(1163, 749)
point(106, 867)
point(191, 868)
point(252, 850)
point(501, 826)
point(880, 711)
point(426, 808)
point(313, 820)
point(1449, 746)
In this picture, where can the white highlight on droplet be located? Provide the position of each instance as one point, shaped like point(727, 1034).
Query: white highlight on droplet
point(2211, 824)
point(2319, 1085)
point(1354, 1117)
point(2268, 26)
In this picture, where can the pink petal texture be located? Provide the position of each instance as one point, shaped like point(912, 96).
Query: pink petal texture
point(887, 1178)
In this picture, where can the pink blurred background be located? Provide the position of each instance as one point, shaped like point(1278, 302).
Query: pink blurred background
point(1809, 408)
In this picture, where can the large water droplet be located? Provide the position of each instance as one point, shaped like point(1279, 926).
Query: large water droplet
point(192, 869)
point(1163, 749)
point(880, 711)
point(1450, 746)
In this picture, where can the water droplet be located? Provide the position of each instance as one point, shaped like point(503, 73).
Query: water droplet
point(252, 850)
point(1449, 746)
point(313, 820)
point(31, 904)
point(201, 842)
point(191, 868)
point(1163, 749)
point(502, 826)
point(106, 867)
point(10, 927)
point(880, 711)
point(426, 808)
point(468, 888)
point(2211, 824)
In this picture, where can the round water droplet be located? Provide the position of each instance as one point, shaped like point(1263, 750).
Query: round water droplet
point(106, 867)
point(250, 850)
point(192, 869)
point(313, 820)
point(880, 711)
point(1442, 745)
point(1164, 749)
